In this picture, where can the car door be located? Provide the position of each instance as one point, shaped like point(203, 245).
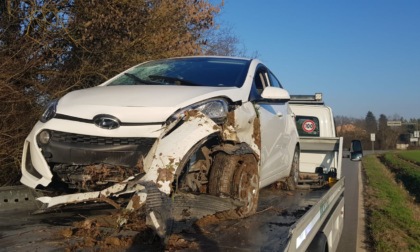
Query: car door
point(273, 124)
point(289, 136)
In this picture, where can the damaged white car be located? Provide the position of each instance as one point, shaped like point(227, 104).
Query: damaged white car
point(209, 129)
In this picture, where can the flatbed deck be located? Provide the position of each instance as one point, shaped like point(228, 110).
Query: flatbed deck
point(267, 230)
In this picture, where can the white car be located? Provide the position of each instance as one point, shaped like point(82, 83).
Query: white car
point(219, 126)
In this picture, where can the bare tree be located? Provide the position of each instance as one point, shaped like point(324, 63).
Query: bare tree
point(49, 48)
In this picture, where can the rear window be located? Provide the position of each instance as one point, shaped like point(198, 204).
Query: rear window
point(307, 126)
point(356, 146)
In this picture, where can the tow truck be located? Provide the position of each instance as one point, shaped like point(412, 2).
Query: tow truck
point(320, 228)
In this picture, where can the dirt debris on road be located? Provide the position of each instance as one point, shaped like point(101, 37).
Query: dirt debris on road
point(102, 233)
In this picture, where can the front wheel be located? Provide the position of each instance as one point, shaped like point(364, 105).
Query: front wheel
point(236, 176)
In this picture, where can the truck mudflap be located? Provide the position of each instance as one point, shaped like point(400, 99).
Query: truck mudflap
point(305, 229)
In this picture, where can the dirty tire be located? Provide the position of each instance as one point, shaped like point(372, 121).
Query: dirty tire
point(292, 180)
point(236, 176)
point(221, 174)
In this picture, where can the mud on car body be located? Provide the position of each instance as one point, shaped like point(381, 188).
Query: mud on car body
point(212, 126)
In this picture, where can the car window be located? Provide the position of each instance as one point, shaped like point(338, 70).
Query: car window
point(194, 71)
point(273, 80)
point(259, 83)
point(262, 79)
point(308, 126)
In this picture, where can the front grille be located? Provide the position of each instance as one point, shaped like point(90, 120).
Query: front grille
point(70, 138)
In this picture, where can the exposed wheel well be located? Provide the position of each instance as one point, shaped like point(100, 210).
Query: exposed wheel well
point(193, 172)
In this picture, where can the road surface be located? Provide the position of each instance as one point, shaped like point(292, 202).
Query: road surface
point(353, 230)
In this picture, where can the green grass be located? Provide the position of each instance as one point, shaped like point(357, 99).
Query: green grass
point(406, 172)
point(412, 155)
point(392, 218)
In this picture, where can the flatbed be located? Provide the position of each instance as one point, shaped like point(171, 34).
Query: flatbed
point(279, 222)
point(285, 221)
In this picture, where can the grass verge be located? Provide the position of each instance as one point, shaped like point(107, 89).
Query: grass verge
point(393, 219)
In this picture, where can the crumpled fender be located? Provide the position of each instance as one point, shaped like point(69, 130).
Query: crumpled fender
point(244, 127)
point(168, 151)
point(176, 141)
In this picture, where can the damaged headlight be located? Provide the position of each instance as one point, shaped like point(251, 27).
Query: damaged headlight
point(49, 112)
point(216, 109)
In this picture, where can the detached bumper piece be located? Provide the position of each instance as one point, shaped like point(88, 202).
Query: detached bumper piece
point(166, 214)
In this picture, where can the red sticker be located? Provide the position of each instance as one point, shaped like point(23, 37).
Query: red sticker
point(308, 126)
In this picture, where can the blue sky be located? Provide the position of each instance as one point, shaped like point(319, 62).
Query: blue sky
point(363, 55)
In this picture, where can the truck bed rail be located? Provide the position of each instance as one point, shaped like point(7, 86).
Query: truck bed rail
point(305, 229)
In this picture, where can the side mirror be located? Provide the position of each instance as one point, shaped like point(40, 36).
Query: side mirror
point(275, 93)
point(356, 150)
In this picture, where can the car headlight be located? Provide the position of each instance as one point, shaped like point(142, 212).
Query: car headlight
point(49, 112)
point(215, 109)
point(43, 137)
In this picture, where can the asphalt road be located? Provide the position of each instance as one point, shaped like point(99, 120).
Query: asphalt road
point(353, 229)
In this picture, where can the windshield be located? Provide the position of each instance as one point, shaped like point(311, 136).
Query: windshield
point(200, 71)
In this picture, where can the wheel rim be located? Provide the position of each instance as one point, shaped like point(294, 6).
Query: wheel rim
point(247, 190)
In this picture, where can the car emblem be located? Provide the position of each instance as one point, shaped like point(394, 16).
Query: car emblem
point(106, 121)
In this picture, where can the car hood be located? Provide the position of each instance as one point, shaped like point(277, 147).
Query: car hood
point(138, 103)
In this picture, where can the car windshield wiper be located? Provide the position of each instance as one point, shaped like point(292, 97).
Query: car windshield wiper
point(174, 80)
point(139, 80)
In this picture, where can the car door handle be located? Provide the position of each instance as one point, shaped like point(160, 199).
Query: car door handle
point(279, 114)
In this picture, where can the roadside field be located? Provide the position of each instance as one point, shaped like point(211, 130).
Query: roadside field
point(393, 217)
point(412, 155)
point(405, 172)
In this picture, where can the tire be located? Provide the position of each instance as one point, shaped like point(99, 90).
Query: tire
point(236, 176)
point(319, 243)
point(293, 179)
